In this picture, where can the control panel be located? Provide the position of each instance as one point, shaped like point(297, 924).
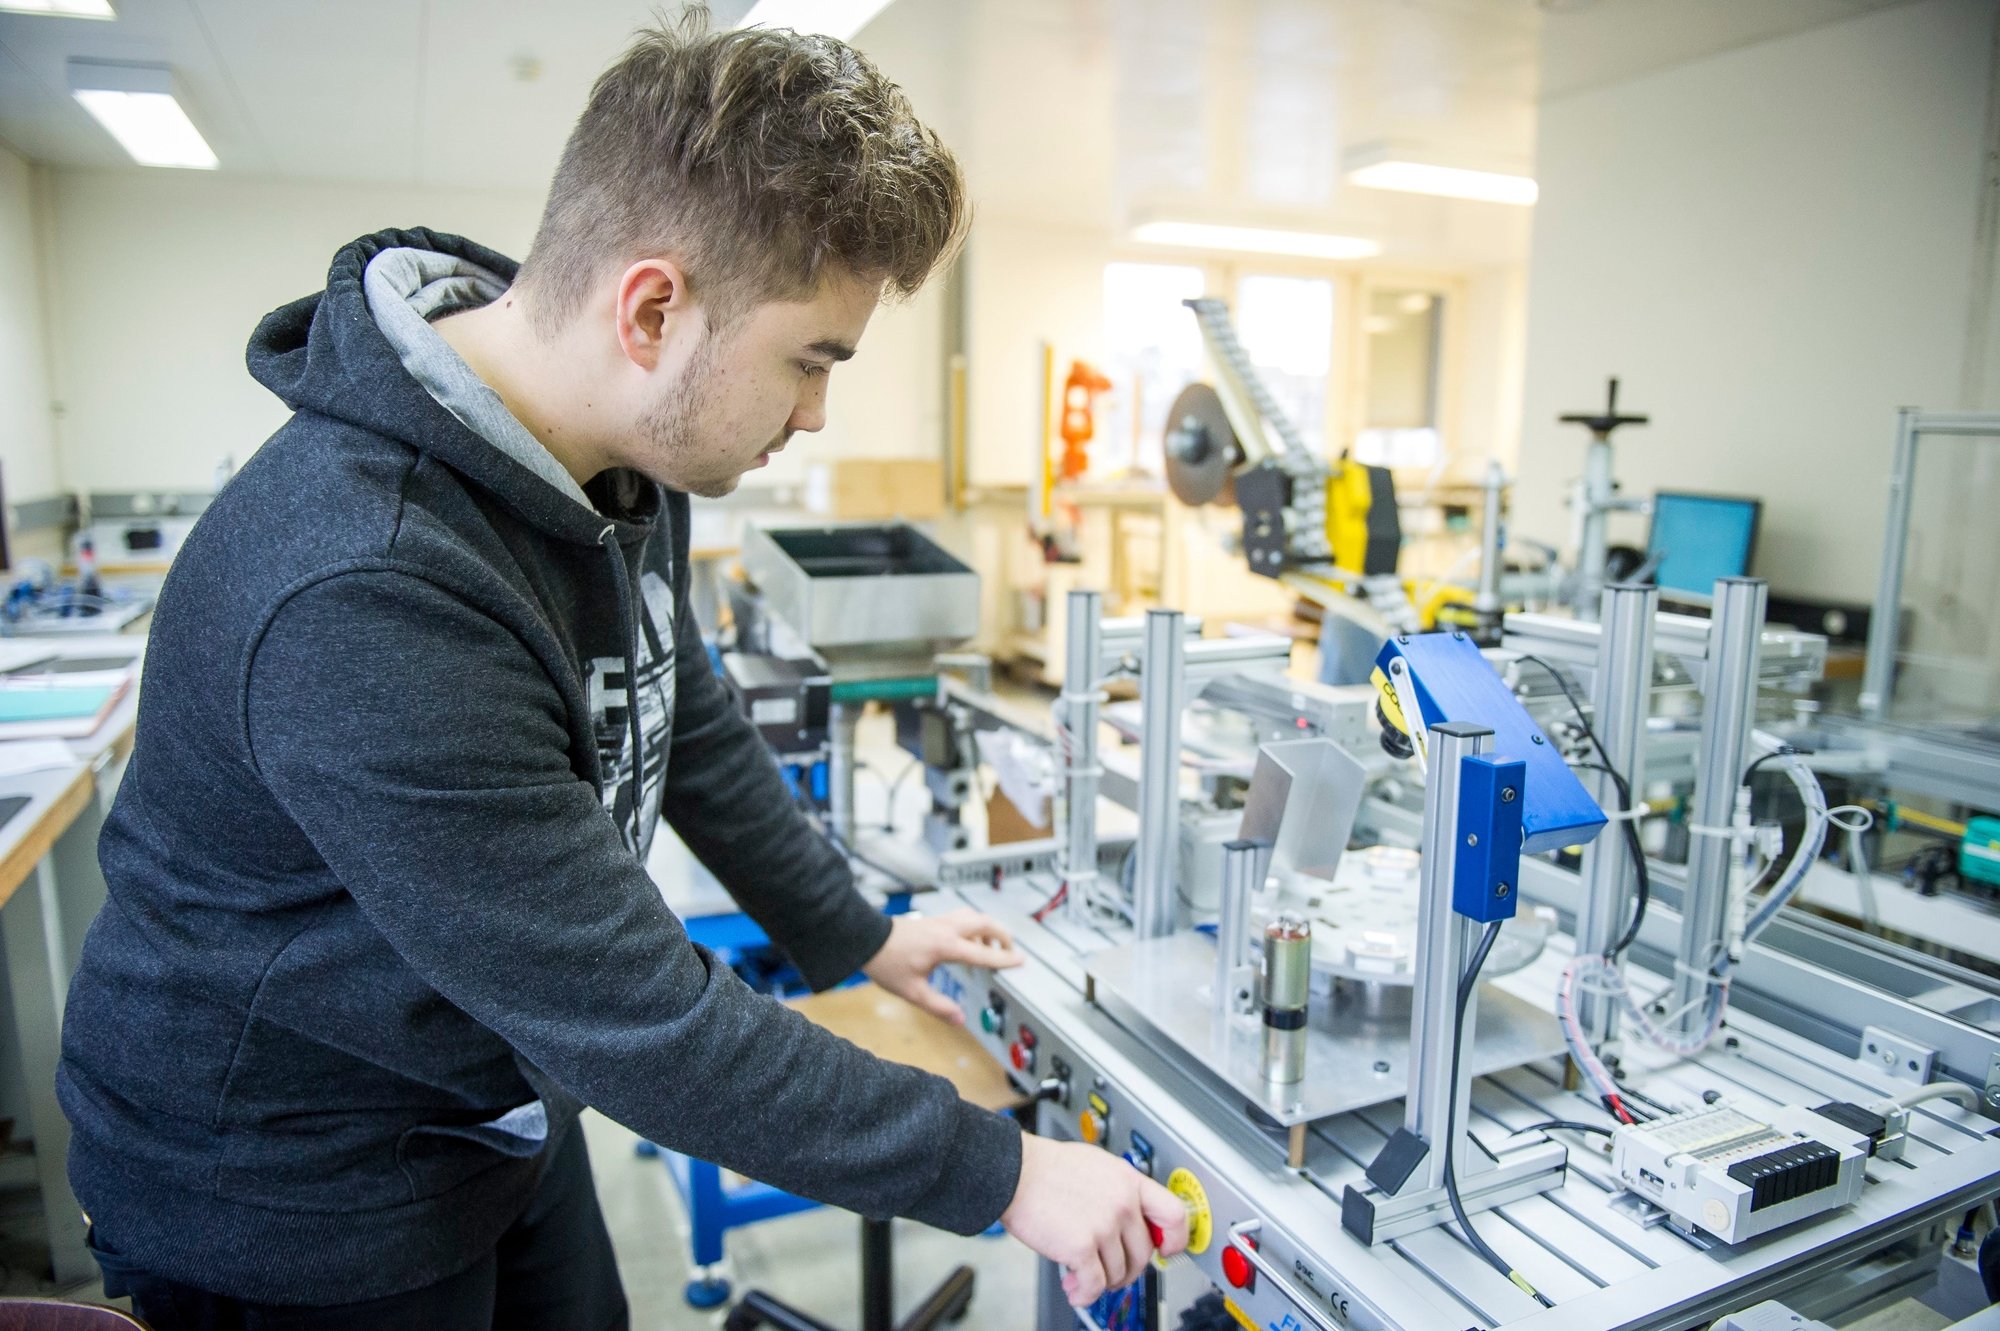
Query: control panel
point(1267, 1282)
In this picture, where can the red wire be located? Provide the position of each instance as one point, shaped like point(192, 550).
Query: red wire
point(1041, 912)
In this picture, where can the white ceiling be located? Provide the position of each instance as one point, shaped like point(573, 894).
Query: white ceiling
point(1074, 111)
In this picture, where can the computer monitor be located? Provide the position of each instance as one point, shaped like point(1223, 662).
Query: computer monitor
point(1697, 538)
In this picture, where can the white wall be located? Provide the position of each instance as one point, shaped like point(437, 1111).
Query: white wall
point(1773, 247)
point(1026, 282)
point(159, 277)
point(27, 430)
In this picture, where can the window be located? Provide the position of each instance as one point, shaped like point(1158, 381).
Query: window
point(1153, 351)
point(1403, 329)
point(1286, 326)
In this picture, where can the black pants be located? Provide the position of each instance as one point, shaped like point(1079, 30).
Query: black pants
point(553, 1270)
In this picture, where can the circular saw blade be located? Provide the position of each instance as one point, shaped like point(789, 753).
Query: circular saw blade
point(1201, 448)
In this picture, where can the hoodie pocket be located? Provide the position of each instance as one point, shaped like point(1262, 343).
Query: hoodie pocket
point(435, 1158)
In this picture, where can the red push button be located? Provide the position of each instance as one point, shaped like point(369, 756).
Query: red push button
point(1236, 1268)
point(1156, 1234)
point(1021, 1056)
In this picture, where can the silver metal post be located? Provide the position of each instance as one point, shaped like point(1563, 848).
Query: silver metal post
point(1441, 952)
point(842, 718)
point(1244, 864)
point(1084, 647)
point(1161, 680)
point(1728, 713)
point(1878, 678)
point(1620, 698)
point(1492, 554)
point(1598, 498)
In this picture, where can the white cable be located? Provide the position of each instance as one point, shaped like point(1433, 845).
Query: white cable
point(1810, 842)
point(1939, 1090)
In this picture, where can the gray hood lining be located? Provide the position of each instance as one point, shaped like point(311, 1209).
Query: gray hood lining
point(407, 288)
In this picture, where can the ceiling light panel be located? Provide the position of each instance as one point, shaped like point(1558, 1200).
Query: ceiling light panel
point(138, 105)
point(97, 9)
point(839, 19)
point(1411, 170)
point(1254, 240)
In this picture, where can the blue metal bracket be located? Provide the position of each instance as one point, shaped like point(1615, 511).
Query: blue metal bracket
point(1454, 682)
point(1486, 877)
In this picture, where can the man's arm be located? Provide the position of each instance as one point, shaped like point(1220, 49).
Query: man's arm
point(424, 751)
point(726, 800)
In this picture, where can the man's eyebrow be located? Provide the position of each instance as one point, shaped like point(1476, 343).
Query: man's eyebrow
point(832, 349)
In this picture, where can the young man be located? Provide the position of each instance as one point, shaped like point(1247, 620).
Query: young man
point(421, 684)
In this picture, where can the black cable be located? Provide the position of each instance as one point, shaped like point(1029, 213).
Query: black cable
point(1642, 894)
point(1631, 1097)
point(898, 879)
point(1466, 984)
point(1643, 880)
point(1575, 703)
point(1568, 1124)
point(1782, 751)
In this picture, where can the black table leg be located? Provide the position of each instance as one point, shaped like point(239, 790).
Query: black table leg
point(877, 1277)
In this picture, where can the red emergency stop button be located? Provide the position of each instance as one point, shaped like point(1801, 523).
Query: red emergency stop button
point(1236, 1268)
point(1022, 1056)
point(1156, 1234)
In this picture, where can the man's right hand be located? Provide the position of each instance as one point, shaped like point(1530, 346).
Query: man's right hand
point(1089, 1212)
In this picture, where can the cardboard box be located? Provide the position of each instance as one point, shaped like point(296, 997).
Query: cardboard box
point(882, 489)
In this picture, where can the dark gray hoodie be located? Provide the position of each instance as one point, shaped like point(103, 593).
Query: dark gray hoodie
point(377, 925)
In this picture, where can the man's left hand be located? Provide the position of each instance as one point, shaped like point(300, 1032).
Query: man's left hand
point(919, 944)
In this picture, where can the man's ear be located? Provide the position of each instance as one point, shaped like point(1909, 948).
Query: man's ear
point(652, 297)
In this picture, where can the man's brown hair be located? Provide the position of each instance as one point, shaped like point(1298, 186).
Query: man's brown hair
point(758, 159)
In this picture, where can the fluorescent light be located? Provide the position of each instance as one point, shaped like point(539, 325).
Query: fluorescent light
point(60, 8)
point(1254, 240)
point(1418, 171)
point(138, 106)
point(838, 19)
point(1451, 181)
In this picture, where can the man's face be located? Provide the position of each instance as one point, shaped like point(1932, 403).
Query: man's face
point(739, 394)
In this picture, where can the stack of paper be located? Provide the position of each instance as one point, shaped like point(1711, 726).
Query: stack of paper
point(35, 705)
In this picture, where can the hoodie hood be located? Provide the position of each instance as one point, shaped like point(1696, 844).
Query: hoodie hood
point(328, 354)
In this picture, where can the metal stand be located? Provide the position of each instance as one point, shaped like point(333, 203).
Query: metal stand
point(843, 719)
point(1082, 658)
point(1244, 864)
point(1444, 942)
point(1729, 705)
point(1878, 682)
point(1161, 684)
point(1597, 500)
point(947, 1303)
point(1492, 548)
point(1620, 697)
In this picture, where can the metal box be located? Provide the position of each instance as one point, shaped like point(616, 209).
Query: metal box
point(864, 585)
point(786, 700)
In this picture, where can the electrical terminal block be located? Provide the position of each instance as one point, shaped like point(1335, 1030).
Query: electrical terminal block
point(1733, 1176)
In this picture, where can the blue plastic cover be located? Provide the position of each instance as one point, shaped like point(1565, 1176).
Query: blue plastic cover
point(1454, 682)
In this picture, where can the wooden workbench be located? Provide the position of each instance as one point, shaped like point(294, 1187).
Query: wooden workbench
point(889, 1028)
point(51, 888)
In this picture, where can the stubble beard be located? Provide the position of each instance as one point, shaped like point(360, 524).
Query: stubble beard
point(672, 430)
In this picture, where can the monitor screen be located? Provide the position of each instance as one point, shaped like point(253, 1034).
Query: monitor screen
point(1698, 538)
